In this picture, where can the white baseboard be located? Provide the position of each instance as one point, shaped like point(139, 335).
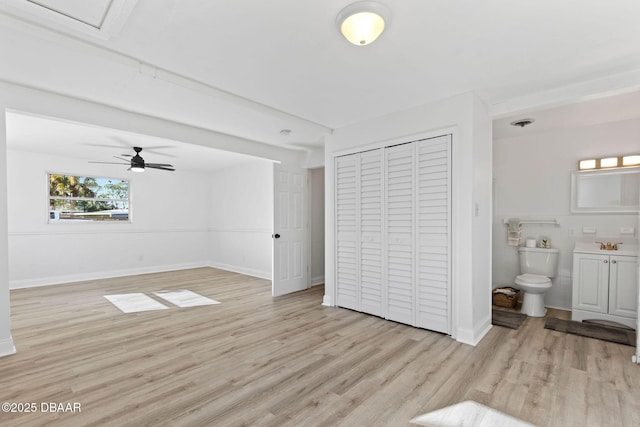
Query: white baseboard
point(317, 280)
point(475, 335)
point(6, 347)
point(326, 300)
point(57, 280)
point(241, 270)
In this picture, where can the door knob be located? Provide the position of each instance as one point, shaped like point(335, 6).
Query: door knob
point(606, 262)
point(276, 236)
point(613, 262)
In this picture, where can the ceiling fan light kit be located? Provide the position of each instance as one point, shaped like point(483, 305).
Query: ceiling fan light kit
point(361, 23)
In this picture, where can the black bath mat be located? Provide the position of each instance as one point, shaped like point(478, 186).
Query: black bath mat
point(590, 330)
point(507, 319)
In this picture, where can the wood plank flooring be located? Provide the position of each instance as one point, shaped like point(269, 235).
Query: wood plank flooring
point(288, 361)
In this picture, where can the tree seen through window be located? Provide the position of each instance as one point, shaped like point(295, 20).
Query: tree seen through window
point(83, 198)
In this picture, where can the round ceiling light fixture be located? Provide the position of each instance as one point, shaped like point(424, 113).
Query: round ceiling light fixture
point(362, 22)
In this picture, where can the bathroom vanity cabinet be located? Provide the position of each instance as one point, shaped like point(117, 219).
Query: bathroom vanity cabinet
point(605, 286)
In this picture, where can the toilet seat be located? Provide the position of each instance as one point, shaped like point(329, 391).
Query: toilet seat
point(533, 280)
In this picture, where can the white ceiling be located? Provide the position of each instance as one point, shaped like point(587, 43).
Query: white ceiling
point(624, 106)
point(251, 68)
point(92, 143)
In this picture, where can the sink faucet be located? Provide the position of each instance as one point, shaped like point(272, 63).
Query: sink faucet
point(609, 246)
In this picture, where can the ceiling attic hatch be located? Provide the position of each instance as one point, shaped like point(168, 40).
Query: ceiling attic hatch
point(98, 18)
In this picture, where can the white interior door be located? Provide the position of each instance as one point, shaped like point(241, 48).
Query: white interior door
point(290, 234)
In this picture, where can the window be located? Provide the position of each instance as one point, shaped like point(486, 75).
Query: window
point(85, 198)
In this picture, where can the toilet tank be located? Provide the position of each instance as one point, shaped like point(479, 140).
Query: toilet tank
point(538, 261)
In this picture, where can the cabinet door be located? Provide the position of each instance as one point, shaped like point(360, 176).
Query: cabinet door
point(347, 228)
point(591, 282)
point(623, 286)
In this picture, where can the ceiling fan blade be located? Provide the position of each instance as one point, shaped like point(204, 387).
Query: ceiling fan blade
point(153, 150)
point(123, 142)
point(127, 155)
point(164, 165)
point(120, 158)
point(147, 149)
point(102, 145)
point(164, 168)
point(111, 163)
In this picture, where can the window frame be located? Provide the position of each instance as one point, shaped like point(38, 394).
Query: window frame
point(95, 199)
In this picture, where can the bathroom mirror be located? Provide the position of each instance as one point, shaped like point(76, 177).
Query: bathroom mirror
point(605, 191)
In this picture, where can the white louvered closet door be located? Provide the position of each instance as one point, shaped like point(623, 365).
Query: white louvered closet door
point(347, 229)
point(371, 222)
point(399, 202)
point(393, 233)
point(433, 210)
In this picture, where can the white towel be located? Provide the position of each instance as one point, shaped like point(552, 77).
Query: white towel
point(513, 232)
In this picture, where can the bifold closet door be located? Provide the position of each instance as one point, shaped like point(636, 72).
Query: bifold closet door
point(371, 223)
point(347, 229)
point(433, 215)
point(399, 204)
point(359, 224)
point(393, 232)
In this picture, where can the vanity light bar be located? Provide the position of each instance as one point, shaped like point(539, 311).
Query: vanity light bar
point(609, 162)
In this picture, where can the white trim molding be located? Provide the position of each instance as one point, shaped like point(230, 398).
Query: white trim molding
point(57, 280)
point(242, 270)
point(475, 335)
point(6, 347)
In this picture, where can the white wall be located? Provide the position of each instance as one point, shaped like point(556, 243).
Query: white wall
point(6, 341)
point(168, 228)
point(33, 101)
point(466, 117)
point(241, 218)
point(316, 225)
point(482, 210)
point(532, 179)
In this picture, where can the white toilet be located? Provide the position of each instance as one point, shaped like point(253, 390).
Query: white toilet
point(537, 266)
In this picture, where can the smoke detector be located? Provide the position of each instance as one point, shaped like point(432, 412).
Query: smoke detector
point(522, 122)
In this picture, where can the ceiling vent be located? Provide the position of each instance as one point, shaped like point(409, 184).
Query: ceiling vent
point(522, 122)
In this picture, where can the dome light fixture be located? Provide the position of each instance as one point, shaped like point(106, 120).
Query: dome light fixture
point(362, 22)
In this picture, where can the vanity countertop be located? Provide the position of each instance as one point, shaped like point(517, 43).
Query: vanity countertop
point(594, 248)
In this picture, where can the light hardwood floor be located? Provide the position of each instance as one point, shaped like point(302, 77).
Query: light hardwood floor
point(258, 360)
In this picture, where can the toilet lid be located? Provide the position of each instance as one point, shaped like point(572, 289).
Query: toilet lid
point(535, 279)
